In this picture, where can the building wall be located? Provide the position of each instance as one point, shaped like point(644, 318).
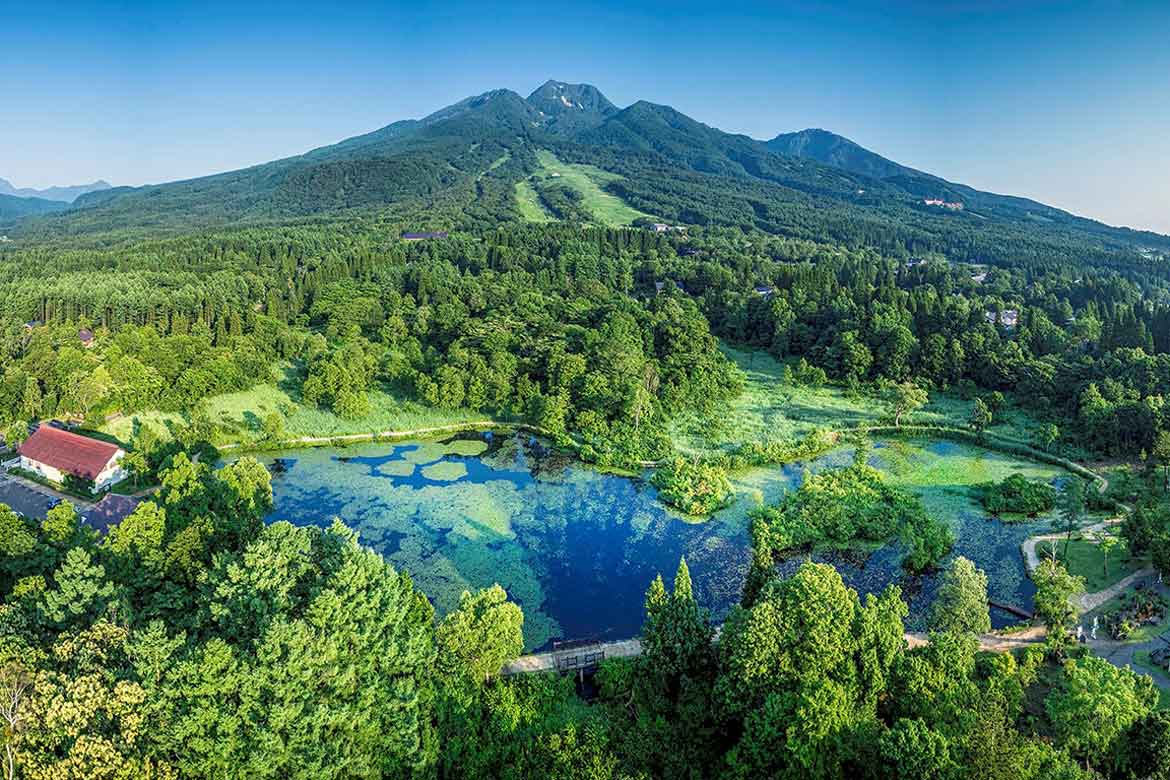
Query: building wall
point(46, 471)
point(112, 474)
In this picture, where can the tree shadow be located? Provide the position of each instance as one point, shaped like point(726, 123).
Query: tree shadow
point(292, 378)
point(253, 422)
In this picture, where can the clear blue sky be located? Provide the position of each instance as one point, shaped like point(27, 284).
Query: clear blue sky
point(1066, 102)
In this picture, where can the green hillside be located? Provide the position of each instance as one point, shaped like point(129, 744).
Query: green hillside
point(567, 152)
point(573, 192)
point(13, 207)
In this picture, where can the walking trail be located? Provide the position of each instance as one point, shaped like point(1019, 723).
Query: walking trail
point(584, 656)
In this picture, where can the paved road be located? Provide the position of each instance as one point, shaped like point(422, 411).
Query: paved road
point(1122, 654)
point(47, 491)
point(1087, 602)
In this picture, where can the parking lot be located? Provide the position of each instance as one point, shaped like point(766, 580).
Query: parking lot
point(23, 499)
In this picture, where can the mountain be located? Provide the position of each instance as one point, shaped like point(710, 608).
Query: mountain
point(13, 208)
point(837, 151)
point(469, 165)
point(63, 194)
point(569, 108)
point(406, 165)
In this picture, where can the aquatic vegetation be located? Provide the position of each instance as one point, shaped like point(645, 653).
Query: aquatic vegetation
point(397, 468)
point(445, 471)
point(577, 548)
point(467, 447)
point(841, 507)
point(574, 547)
point(773, 408)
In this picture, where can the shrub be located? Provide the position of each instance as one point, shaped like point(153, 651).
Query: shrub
point(1018, 494)
point(695, 488)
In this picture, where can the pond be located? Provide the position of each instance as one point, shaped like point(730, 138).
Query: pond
point(577, 548)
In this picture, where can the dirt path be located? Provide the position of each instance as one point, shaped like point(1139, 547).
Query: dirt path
point(993, 643)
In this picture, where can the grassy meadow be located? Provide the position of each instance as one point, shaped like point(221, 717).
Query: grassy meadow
point(770, 408)
point(240, 416)
point(1084, 559)
point(587, 181)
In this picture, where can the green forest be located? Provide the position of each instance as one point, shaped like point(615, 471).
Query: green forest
point(194, 640)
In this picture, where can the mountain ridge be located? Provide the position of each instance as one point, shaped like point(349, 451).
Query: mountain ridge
point(64, 194)
point(467, 158)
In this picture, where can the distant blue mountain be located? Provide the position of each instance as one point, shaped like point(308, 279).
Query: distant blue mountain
point(63, 194)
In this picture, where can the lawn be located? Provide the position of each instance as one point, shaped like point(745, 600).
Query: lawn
point(588, 181)
point(1086, 560)
point(240, 416)
point(770, 408)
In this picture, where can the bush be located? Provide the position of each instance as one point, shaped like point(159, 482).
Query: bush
point(842, 506)
point(1019, 495)
point(695, 488)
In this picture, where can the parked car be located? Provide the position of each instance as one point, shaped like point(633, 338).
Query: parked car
point(53, 502)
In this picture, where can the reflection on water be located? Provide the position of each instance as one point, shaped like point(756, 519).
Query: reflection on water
point(577, 549)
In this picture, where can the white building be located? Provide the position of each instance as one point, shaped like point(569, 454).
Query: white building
point(55, 454)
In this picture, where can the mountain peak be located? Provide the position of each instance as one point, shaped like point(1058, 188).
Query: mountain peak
point(559, 97)
point(838, 151)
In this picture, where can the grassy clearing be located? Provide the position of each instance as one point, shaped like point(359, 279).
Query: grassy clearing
point(588, 181)
point(240, 416)
point(770, 408)
point(1085, 559)
point(529, 205)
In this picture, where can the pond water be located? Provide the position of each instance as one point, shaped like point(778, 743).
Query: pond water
point(577, 548)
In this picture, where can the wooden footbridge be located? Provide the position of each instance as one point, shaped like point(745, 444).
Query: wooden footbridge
point(1018, 612)
point(580, 655)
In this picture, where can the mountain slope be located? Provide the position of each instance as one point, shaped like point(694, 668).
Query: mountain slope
point(837, 151)
point(13, 207)
point(674, 138)
point(64, 194)
point(462, 167)
point(408, 161)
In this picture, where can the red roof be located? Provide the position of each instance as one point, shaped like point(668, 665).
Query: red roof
point(68, 452)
